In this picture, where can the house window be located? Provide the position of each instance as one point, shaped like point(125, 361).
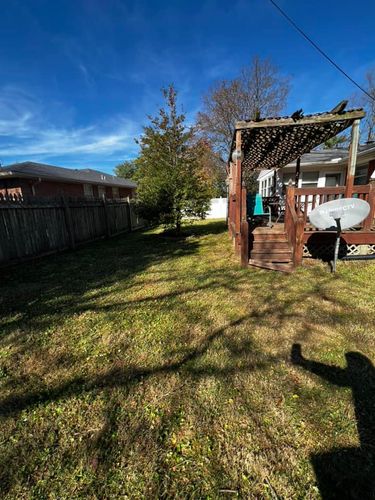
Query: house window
point(266, 186)
point(115, 192)
point(360, 176)
point(333, 180)
point(87, 191)
point(310, 179)
point(101, 191)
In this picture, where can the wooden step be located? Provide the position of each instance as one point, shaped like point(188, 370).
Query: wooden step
point(270, 237)
point(260, 246)
point(286, 267)
point(272, 256)
point(279, 228)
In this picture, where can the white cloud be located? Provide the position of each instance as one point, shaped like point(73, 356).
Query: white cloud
point(26, 130)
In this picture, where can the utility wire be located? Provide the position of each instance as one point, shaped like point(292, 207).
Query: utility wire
point(320, 50)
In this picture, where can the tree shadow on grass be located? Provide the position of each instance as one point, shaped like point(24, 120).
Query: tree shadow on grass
point(128, 376)
point(188, 368)
point(185, 363)
point(347, 472)
point(32, 291)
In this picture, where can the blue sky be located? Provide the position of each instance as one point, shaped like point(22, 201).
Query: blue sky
point(78, 78)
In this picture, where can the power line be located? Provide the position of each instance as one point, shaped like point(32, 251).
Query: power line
point(319, 49)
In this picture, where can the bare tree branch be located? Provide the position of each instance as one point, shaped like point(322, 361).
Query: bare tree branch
point(258, 91)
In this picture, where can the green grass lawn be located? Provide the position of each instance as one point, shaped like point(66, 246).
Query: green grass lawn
point(153, 367)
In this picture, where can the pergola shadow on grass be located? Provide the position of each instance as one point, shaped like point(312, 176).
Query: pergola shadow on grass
point(149, 366)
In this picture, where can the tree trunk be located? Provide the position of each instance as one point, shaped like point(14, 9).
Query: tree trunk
point(178, 221)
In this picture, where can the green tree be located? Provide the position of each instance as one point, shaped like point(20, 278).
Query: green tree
point(171, 181)
point(214, 167)
point(336, 142)
point(128, 169)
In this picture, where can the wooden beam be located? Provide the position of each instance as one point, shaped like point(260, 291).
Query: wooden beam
point(308, 120)
point(352, 159)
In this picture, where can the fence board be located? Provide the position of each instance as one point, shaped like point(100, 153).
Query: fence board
point(31, 228)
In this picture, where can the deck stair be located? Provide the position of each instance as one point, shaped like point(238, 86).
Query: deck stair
point(270, 249)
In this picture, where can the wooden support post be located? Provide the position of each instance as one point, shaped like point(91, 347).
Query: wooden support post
point(290, 195)
point(238, 191)
point(368, 222)
point(298, 249)
point(230, 196)
point(298, 172)
point(244, 243)
point(68, 222)
point(243, 202)
point(289, 201)
point(244, 228)
point(352, 159)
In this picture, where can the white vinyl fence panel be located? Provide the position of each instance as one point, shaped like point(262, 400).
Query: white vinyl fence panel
point(218, 208)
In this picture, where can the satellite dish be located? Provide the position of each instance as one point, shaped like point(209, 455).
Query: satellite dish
point(350, 212)
point(337, 215)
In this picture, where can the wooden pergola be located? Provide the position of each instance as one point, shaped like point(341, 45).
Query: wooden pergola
point(273, 143)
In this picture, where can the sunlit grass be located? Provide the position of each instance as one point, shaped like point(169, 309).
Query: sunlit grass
point(148, 366)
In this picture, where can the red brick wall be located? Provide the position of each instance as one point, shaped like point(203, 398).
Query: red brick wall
point(14, 186)
point(51, 189)
point(125, 192)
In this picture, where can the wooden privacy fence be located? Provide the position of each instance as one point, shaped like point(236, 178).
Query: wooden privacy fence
point(35, 227)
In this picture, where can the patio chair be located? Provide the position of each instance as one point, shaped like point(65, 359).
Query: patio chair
point(255, 209)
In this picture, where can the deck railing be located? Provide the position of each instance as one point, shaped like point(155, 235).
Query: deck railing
point(306, 199)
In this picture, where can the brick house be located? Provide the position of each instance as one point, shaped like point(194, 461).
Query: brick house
point(36, 179)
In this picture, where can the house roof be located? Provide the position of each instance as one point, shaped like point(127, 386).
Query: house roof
point(275, 142)
point(337, 156)
point(31, 169)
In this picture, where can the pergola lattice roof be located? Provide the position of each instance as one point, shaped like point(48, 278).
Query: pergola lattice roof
point(275, 142)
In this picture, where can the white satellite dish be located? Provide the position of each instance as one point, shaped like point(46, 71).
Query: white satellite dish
point(350, 211)
point(337, 215)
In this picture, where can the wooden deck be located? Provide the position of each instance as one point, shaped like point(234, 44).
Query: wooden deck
point(355, 235)
point(281, 247)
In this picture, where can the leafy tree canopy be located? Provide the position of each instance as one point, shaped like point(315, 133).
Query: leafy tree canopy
point(128, 169)
point(336, 142)
point(172, 181)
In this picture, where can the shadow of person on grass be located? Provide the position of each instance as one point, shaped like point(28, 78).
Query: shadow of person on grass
point(347, 472)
